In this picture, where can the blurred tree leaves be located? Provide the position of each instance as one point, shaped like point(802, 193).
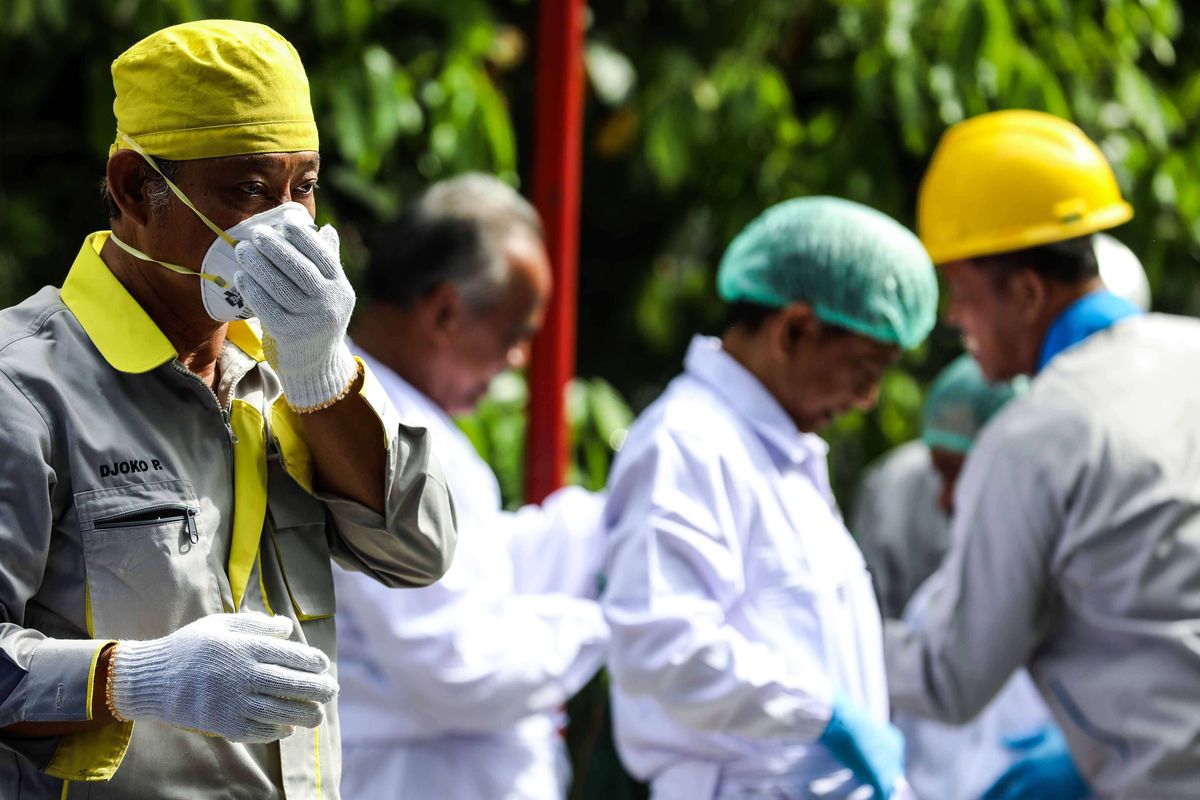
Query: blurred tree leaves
point(700, 114)
point(741, 104)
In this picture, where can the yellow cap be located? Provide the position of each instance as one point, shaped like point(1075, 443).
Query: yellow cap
point(213, 88)
point(1014, 179)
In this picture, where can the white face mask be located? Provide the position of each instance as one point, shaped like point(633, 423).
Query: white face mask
point(221, 300)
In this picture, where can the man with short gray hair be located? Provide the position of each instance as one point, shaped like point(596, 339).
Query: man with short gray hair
point(455, 691)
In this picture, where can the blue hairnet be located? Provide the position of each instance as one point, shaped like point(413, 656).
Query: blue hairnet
point(857, 268)
point(960, 402)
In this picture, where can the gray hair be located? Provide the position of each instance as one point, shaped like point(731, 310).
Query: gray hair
point(454, 232)
point(155, 189)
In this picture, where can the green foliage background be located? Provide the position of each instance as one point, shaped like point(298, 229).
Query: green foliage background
point(700, 113)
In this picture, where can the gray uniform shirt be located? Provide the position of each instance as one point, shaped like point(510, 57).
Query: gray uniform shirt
point(901, 531)
point(1076, 550)
point(133, 501)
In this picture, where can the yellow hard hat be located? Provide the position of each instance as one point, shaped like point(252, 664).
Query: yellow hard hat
point(1014, 179)
point(213, 88)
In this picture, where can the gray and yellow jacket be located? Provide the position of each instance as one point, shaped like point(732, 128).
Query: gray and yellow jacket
point(134, 500)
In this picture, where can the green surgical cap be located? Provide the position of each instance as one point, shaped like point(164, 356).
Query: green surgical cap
point(857, 268)
point(960, 403)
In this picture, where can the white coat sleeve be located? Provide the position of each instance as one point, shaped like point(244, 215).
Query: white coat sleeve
point(558, 546)
point(996, 597)
point(472, 659)
point(675, 571)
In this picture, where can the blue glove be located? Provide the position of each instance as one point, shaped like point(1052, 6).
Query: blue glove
point(873, 751)
point(1045, 772)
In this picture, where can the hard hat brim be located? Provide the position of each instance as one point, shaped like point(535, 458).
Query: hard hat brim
point(1008, 241)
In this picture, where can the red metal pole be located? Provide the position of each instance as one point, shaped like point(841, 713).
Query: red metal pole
point(558, 135)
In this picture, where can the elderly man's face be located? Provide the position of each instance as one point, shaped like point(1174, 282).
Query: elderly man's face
point(815, 371)
point(227, 191)
point(834, 373)
point(497, 338)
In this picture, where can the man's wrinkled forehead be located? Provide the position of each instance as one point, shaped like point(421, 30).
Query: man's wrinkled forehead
point(267, 164)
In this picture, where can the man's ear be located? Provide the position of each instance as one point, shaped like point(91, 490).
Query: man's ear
point(1031, 294)
point(127, 174)
point(443, 311)
point(795, 326)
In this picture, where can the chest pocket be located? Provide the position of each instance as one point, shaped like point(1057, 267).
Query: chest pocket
point(146, 551)
point(298, 531)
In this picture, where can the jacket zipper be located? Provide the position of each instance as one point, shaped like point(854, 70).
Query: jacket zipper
point(231, 439)
point(182, 370)
point(152, 515)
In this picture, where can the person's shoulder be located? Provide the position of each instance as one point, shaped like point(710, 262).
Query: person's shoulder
point(1046, 436)
point(1180, 329)
point(685, 431)
point(1143, 342)
point(690, 417)
point(1149, 354)
point(903, 463)
point(30, 330)
point(682, 451)
point(1167, 338)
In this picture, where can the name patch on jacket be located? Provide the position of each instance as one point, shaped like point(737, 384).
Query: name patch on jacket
point(129, 467)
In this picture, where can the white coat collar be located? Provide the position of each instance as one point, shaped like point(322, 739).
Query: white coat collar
point(708, 362)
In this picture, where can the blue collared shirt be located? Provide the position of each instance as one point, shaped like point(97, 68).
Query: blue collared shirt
point(1089, 314)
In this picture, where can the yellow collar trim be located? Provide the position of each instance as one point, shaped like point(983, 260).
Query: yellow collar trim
point(247, 336)
point(118, 327)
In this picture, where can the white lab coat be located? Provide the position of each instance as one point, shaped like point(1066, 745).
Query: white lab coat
point(1076, 551)
point(454, 691)
point(898, 525)
point(960, 762)
point(738, 602)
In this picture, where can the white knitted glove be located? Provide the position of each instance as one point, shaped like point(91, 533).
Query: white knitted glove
point(293, 280)
point(235, 675)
